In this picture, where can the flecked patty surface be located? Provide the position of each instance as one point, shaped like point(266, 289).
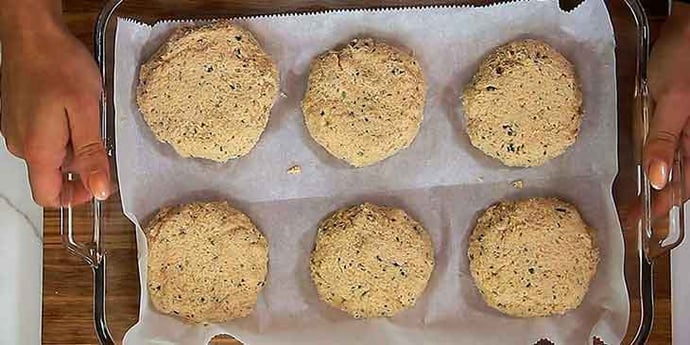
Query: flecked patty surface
point(371, 261)
point(364, 102)
point(207, 262)
point(524, 104)
point(208, 91)
point(533, 257)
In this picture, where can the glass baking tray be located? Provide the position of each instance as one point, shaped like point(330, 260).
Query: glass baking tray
point(84, 229)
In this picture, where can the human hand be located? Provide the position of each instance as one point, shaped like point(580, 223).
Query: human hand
point(669, 84)
point(50, 111)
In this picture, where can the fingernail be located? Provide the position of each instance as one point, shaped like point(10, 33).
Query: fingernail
point(658, 174)
point(99, 185)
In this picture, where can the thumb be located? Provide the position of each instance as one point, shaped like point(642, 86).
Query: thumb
point(90, 158)
point(670, 116)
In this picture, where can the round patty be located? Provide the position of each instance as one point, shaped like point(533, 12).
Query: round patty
point(371, 261)
point(208, 91)
point(207, 262)
point(532, 257)
point(364, 102)
point(524, 105)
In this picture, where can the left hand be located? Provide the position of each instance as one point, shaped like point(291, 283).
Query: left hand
point(51, 89)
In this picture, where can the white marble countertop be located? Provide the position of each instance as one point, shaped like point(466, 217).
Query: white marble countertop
point(21, 225)
point(680, 288)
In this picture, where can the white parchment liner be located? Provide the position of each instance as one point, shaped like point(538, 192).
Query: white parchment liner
point(440, 179)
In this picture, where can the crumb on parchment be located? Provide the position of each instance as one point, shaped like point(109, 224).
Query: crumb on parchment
point(518, 184)
point(294, 170)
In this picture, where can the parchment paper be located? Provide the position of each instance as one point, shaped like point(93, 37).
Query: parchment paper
point(440, 179)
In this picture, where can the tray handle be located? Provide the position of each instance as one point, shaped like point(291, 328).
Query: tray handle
point(86, 251)
point(655, 236)
point(660, 235)
point(92, 252)
point(640, 117)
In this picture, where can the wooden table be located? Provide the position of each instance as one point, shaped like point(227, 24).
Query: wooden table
point(67, 292)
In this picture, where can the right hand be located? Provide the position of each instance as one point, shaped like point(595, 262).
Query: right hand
point(669, 84)
point(51, 90)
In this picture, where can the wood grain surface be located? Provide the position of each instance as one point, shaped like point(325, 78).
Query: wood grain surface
point(67, 282)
